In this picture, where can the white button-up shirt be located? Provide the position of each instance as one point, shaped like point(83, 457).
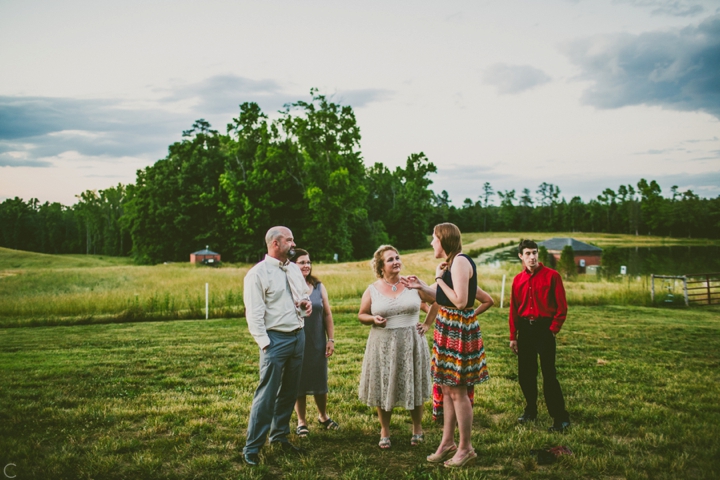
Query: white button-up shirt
point(269, 301)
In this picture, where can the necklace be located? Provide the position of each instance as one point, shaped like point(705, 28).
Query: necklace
point(394, 286)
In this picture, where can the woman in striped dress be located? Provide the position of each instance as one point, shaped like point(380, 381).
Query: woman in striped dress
point(458, 357)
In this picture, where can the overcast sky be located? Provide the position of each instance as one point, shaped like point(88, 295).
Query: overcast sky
point(583, 94)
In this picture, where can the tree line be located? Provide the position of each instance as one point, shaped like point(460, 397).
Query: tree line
point(305, 170)
point(635, 210)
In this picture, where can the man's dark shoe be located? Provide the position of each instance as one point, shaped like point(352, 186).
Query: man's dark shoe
point(252, 459)
point(559, 427)
point(289, 448)
point(527, 418)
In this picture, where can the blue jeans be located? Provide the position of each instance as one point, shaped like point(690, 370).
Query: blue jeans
point(272, 407)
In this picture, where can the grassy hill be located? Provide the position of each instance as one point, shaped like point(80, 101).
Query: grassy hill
point(21, 260)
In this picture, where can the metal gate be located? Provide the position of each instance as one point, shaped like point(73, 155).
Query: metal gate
point(698, 289)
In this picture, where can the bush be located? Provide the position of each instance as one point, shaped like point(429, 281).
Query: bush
point(566, 265)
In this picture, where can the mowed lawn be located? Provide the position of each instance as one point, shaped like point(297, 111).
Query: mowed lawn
point(171, 400)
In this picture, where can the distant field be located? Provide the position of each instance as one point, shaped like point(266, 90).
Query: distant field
point(21, 260)
point(37, 289)
point(170, 400)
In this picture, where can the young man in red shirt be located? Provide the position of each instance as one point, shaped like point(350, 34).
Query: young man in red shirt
point(537, 312)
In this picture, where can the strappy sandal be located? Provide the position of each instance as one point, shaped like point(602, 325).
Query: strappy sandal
point(417, 439)
point(302, 431)
point(384, 443)
point(442, 456)
point(465, 461)
point(329, 424)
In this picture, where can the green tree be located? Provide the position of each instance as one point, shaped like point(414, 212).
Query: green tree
point(408, 224)
point(543, 255)
point(327, 139)
point(262, 182)
point(566, 265)
point(651, 205)
point(488, 192)
point(508, 214)
point(175, 206)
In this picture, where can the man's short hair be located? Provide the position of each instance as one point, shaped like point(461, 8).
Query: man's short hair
point(274, 233)
point(527, 244)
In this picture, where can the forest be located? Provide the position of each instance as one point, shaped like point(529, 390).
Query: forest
point(305, 170)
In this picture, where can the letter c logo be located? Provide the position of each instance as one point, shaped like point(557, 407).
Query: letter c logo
point(5, 470)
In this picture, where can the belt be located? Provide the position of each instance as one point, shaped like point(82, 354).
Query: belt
point(292, 332)
point(532, 321)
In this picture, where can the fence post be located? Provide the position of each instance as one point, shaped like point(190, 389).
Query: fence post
point(707, 283)
point(207, 310)
point(687, 301)
point(502, 292)
point(652, 288)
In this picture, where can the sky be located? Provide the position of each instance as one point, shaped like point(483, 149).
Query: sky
point(586, 95)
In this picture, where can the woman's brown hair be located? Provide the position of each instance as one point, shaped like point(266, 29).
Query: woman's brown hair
point(299, 252)
point(450, 240)
point(378, 262)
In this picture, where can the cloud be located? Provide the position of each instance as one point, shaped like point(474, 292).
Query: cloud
point(712, 155)
point(22, 117)
point(8, 160)
point(666, 7)
point(33, 129)
point(362, 97)
point(677, 70)
point(510, 79)
point(224, 93)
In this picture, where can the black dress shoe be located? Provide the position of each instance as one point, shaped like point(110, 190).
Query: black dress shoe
point(527, 418)
point(559, 427)
point(252, 459)
point(289, 448)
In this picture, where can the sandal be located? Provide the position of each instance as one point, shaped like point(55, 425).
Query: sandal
point(417, 439)
point(442, 456)
point(329, 424)
point(384, 443)
point(465, 461)
point(302, 431)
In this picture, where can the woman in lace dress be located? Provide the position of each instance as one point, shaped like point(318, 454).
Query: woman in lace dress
point(396, 365)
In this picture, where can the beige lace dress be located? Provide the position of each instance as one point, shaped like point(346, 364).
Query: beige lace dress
point(396, 365)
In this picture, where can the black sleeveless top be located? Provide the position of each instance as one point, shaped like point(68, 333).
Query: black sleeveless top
point(442, 299)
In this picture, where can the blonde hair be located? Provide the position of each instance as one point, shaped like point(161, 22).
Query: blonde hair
point(378, 262)
point(450, 240)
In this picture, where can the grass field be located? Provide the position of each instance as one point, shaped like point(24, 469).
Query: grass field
point(93, 387)
point(171, 400)
point(38, 289)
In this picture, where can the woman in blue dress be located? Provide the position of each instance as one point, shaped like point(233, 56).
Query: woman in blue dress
point(319, 345)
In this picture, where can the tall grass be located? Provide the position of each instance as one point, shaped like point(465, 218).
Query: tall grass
point(38, 289)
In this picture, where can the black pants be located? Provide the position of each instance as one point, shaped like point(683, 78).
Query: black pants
point(533, 341)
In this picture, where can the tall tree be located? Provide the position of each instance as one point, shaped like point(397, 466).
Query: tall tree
point(508, 215)
point(175, 207)
point(328, 141)
point(651, 204)
point(486, 196)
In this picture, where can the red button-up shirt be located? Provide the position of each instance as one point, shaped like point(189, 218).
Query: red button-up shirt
point(538, 295)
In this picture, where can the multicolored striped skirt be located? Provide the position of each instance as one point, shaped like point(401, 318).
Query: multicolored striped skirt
point(458, 355)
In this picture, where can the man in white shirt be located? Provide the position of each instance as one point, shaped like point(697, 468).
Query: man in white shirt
point(276, 299)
